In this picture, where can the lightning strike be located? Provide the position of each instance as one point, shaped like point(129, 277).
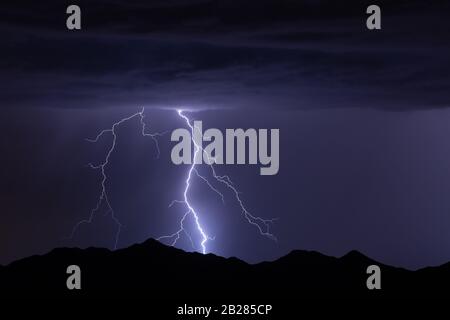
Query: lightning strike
point(263, 225)
point(103, 198)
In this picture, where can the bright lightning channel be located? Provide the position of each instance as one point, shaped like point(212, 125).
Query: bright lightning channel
point(263, 225)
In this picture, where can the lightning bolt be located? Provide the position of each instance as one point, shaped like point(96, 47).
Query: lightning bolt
point(103, 198)
point(263, 225)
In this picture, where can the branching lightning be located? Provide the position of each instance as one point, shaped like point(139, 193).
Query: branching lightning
point(262, 225)
point(103, 197)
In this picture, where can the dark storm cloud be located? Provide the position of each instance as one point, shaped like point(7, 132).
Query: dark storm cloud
point(288, 54)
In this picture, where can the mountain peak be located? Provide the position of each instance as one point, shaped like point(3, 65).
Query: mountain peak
point(354, 254)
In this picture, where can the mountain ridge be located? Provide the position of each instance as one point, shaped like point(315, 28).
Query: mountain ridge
point(151, 267)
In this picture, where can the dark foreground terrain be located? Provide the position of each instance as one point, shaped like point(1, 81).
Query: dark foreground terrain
point(153, 270)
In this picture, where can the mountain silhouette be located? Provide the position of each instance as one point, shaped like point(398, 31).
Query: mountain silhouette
point(151, 269)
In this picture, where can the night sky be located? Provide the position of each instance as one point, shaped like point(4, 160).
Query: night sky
point(363, 115)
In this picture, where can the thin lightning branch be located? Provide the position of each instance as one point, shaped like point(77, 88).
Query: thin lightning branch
point(103, 197)
point(210, 185)
point(263, 225)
